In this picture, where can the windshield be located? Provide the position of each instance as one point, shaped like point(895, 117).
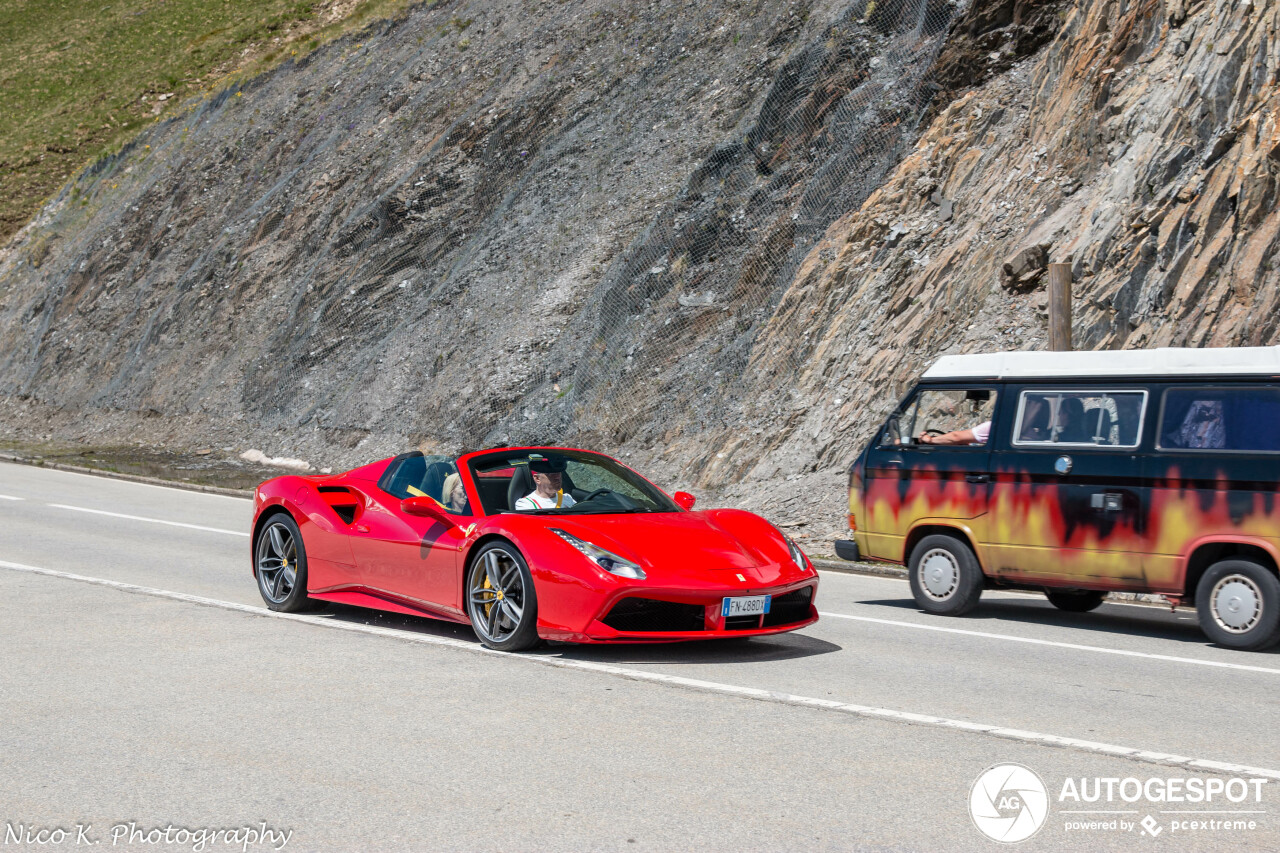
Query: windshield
point(563, 482)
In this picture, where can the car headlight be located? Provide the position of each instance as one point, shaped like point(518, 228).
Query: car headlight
point(796, 554)
point(607, 560)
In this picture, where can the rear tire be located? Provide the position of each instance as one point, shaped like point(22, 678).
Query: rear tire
point(1075, 600)
point(1238, 605)
point(280, 565)
point(945, 576)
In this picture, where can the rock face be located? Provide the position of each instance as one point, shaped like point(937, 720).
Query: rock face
point(1141, 143)
point(615, 224)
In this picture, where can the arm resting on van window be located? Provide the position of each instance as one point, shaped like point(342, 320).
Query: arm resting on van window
point(974, 435)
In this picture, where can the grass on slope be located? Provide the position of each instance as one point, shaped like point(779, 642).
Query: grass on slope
point(78, 79)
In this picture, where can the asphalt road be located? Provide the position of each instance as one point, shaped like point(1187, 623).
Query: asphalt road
point(181, 703)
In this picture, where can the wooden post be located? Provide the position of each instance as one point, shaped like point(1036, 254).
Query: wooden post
point(1059, 306)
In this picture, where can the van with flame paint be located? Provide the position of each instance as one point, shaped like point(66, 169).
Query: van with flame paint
point(1080, 473)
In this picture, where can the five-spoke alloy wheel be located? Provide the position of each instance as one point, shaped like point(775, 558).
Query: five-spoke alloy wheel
point(501, 600)
point(280, 563)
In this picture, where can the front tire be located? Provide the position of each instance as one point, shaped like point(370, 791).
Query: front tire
point(1238, 605)
point(1075, 600)
point(945, 576)
point(501, 600)
point(280, 565)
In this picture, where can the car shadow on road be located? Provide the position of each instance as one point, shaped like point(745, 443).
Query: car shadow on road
point(412, 624)
point(734, 650)
point(773, 647)
point(1128, 620)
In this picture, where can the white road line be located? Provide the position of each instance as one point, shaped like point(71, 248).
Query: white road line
point(1074, 646)
point(151, 520)
point(9, 498)
point(865, 711)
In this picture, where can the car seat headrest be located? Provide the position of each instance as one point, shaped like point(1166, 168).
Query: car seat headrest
point(521, 484)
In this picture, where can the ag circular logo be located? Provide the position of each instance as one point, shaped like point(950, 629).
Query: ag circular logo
point(1008, 803)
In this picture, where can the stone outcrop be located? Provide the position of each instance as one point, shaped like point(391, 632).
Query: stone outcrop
point(1140, 143)
point(336, 261)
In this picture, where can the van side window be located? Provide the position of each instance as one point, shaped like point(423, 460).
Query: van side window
point(939, 411)
point(1092, 418)
point(1221, 418)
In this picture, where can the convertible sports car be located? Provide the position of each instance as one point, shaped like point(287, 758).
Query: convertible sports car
point(525, 544)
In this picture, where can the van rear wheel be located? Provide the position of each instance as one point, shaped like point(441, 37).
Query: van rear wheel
point(945, 575)
point(1075, 600)
point(1238, 605)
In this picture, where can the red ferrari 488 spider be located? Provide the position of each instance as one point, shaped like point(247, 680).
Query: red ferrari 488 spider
point(528, 544)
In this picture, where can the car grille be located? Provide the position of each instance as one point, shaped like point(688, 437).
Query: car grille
point(792, 607)
point(638, 615)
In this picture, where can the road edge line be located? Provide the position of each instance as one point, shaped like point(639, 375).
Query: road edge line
point(714, 687)
point(159, 482)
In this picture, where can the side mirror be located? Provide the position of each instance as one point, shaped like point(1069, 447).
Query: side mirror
point(684, 500)
point(427, 507)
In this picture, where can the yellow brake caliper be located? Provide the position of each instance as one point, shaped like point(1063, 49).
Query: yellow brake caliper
point(498, 597)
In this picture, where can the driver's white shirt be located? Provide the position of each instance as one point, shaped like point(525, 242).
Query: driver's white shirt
point(533, 500)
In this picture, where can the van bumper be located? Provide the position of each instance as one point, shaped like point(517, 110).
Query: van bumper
point(847, 549)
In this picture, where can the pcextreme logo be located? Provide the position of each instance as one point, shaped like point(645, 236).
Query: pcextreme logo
point(1008, 803)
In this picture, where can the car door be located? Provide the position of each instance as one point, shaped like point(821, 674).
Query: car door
point(1069, 502)
point(909, 483)
point(405, 556)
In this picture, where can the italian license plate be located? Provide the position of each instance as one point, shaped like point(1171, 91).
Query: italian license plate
point(753, 605)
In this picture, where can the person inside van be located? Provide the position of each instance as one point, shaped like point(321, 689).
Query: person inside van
point(1035, 420)
point(1128, 416)
point(1070, 426)
point(974, 435)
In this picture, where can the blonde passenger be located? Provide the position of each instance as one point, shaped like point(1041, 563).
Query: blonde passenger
point(453, 495)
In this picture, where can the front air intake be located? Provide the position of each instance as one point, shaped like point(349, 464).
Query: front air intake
point(792, 607)
point(646, 615)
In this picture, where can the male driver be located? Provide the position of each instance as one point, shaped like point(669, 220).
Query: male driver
point(547, 491)
point(974, 435)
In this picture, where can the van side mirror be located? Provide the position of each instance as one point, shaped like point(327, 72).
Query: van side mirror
point(427, 507)
point(892, 434)
point(684, 500)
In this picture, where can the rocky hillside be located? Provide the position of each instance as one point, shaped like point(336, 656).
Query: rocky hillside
point(719, 237)
point(1141, 144)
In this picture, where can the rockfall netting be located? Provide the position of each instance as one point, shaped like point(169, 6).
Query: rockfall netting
point(487, 223)
point(661, 341)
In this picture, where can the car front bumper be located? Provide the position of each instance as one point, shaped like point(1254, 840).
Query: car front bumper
point(666, 616)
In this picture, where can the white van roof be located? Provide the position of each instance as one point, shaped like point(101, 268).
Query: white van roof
point(1168, 361)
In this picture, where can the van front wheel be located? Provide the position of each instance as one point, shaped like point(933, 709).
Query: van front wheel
point(1238, 605)
point(945, 576)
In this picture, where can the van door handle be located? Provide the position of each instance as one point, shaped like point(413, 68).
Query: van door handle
point(1106, 501)
point(977, 478)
